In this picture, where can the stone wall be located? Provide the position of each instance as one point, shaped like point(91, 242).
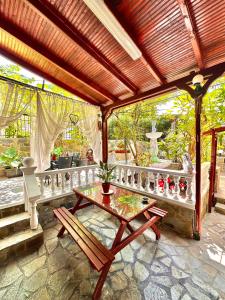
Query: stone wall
point(179, 218)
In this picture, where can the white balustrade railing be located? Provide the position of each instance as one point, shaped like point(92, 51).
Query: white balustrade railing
point(170, 185)
point(57, 183)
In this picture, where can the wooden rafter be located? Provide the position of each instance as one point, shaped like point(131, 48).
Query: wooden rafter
point(32, 43)
point(214, 72)
point(189, 23)
point(51, 14)
point(41, 73)
point(148, 63)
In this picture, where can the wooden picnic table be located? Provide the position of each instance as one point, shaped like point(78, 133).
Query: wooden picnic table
point(124, 205)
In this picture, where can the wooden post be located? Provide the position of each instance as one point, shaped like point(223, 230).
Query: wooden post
point(212, 170)
point(104, 140)
point(198, 107)
point(105, 115)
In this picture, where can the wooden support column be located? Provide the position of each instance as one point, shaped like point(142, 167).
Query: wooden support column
point(212, 170)
point(105, 115)
point(198, 107)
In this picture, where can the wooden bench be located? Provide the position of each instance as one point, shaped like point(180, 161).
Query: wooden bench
point(155, 211)
point(100, 257)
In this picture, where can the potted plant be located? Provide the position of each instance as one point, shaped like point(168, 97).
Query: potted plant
point(11, 161)
point(57, 152)
point(105, 174)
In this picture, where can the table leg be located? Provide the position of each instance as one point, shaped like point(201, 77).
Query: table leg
point(129, 227)
point(153, 226)
point(76, 207)
point(119, 234)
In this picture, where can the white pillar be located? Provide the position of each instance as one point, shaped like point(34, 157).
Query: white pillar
point(31, 189)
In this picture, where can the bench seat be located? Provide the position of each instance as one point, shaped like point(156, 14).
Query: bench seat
point(98, 254)
point(157, 211)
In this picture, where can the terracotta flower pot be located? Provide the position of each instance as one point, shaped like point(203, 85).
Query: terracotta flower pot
point(105, 187)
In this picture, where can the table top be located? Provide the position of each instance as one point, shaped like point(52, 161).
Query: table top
point(123, 203)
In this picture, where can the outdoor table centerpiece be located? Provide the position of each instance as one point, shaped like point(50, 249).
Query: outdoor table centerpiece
point(106, 175)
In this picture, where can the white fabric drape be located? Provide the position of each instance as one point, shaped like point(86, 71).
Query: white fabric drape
point(51, 120)
point(89, 127)
point(14, 101)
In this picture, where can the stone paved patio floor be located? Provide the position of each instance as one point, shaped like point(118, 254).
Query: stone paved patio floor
point(173, 268)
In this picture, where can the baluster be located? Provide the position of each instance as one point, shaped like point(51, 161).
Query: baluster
point(147, 183)
point(156, 183)
point(86, 176)
point(93, 175)
point(166, 185)
point(125, 176)
point(189, 189)
point(176, 188)
point(71, 179)
point(120, 175)
point(132, 178)
point(139, 180)
point(41, 185)
point(63, 181)
point(78, 178)
point(52, 183)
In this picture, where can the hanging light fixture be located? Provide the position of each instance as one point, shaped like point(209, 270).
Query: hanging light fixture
point(197, 82)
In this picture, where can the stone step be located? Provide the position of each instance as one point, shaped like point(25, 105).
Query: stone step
point(11, 210)
point(15, 223)
point(220, 198)
point(220, 208)
point(20, 243)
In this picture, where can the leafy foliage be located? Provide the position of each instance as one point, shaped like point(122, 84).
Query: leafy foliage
point(10, 159)
point(105, 172)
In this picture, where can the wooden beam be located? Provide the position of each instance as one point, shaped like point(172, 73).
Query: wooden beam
point(190, 26)
point(169, 87)
point(25, 64)
point(58, 20)
point(32, 43)
point(216, 130)
point(144, 59)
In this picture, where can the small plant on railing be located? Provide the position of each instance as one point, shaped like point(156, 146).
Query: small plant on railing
point(105, 173)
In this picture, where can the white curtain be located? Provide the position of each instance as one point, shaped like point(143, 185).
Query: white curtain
point(14, 101)
point(51, 120)
point(89, 126)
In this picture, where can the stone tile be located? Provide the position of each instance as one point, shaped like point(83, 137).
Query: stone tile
point(140, 271)
point(159, 268)
point(117, 266)
point(57, 260)
point(33, 266)
point(57, 280)
point(176, 291)
point(153, 291)
point(128, 270)
point(127, 254)
point(12, 290)
point(196, 293)
point(166, 261)
point(178, 274)
point(41, 294)
point(119, 281)
point(36, 281)
point(9, 275)
point(163, 280)
point(138, 243)
point(219, 282)
point(147, 252)
point(131, 294)
point(51, 245)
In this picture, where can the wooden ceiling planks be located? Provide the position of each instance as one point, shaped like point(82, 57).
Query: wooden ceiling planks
point(65, 41)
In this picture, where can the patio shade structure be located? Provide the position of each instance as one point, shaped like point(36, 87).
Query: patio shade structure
point(69, 43)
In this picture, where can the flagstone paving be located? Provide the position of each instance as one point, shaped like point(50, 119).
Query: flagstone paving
point(173, 268)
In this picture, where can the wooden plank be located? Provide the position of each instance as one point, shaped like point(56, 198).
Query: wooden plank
point(95, 261)
point(158, 211)
point(91, 237)
point(84, 237)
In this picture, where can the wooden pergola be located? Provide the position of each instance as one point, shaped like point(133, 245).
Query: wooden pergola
point(69, 44)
